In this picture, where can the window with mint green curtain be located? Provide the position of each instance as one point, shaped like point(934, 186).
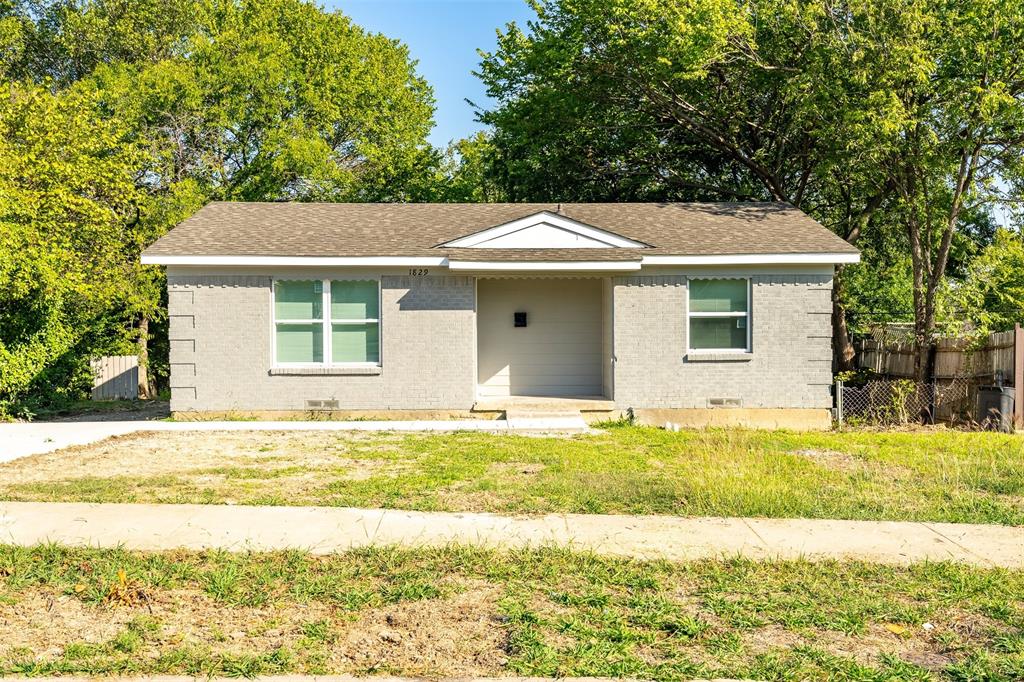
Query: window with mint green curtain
point(298, 321)
point(354, 343)
point(708, 333)
point(300, 342)
point(719, 314)
point(355, 321)
point(354, 300)
point(718, 296)
point(349, 332)
point(298, 300)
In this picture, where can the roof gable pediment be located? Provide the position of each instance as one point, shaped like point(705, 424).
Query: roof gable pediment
point(544, 230)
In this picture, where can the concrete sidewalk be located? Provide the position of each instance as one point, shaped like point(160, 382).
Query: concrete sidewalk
point(326, 530)
point(35, 438)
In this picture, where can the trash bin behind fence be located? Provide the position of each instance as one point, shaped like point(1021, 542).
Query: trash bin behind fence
point(995, 407)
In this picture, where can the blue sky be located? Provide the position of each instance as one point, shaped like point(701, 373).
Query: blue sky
point(443, 35)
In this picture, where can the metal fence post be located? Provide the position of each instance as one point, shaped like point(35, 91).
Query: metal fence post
point(1018, 377)
point(839, 402)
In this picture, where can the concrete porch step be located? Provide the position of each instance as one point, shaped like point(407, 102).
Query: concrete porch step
point(543, 406)
point(561, 422)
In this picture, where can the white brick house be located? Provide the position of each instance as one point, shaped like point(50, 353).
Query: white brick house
point(694, 311)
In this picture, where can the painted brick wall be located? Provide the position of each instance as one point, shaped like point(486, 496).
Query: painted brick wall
point(220, 330)
point(791, 341)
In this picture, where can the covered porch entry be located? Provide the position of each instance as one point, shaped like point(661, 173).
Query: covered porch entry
point(543, 337)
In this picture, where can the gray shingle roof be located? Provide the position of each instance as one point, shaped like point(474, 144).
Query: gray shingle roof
point(316, 229)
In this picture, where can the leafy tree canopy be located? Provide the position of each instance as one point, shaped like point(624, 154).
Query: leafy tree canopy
point(890, 121)
point(251, 99)
point(68, 202)
point(123, 116)
point(990, 297)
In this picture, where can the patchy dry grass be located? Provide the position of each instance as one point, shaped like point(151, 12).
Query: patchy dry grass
point(104, 410)
point(464, 611)
point(936, 475)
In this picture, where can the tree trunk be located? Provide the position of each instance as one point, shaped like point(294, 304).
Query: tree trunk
point(924, 319)
point(146, 387)
point(842, 346)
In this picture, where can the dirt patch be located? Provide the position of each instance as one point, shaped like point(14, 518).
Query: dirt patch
point(456, 636)
point(364, 469)
point(461, 636)
point(456, 497)
point(865, 648)
point(971, 625)
point(1014, 501)
point(465, 495)
point(868, 647)
point(761, 640)
point(45, 622)
point(831, 459)
point(222, 465)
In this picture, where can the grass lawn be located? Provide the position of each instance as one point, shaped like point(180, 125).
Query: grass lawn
point(463, 611)
point(936, 475)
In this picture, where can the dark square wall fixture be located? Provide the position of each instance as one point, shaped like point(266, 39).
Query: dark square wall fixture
point(520, 319)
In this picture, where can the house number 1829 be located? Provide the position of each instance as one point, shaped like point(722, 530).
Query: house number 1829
point(418, 272)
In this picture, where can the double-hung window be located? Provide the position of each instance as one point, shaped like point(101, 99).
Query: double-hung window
point(326, 322)
point(719, 315)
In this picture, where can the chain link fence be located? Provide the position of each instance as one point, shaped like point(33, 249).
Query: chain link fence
point(966, 388)
point(895, 402)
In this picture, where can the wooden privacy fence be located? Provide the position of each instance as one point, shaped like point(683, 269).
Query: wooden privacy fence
point(115, 377)
point(954, 358)
point(961, 366)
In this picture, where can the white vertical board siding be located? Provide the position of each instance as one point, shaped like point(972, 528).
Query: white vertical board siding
point(607, 339)
point(558, 353)
point(115, 377)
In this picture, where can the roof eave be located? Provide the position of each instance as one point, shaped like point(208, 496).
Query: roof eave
point(839, 258)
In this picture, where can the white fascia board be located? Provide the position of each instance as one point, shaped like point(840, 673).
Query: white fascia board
point(290, 261)
point(544, 266)
point(442, 261)
point(544, 217)
point(756, 259)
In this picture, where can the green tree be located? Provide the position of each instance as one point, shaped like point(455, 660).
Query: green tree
point(965, 133)
point(463, 172)
point(863, 113)
point(67, 197)
point(59, 42)
point(277, 99)
point(711, 100)
point(990, 297)
point(254, 100)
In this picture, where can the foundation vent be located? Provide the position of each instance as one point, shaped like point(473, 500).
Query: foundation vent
point(725, 402)
point(321, 404)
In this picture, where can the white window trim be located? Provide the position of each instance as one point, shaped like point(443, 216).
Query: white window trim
point(326, 323)
point(690, 315)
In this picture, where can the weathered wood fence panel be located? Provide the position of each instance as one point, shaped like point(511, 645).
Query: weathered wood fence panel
point(115, 377)
point(954, 358)
point(961, 367)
